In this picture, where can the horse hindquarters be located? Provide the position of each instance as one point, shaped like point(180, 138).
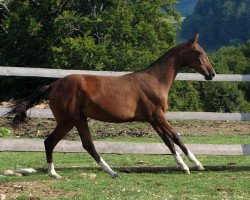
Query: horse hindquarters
point(61, 101)
point(66, 104)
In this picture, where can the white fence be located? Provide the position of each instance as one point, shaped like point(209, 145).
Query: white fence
point(46, 113)
point(57, 73)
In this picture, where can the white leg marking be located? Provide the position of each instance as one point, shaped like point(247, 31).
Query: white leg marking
point(52, 171)
point(181, 163)
point(105, 167)
point(195, 161)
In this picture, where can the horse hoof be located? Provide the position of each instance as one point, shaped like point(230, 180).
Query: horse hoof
point(55, 176)
point(115, 175)
point(200, 168)
point(186, 171)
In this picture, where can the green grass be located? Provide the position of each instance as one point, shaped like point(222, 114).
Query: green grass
point(79, 184)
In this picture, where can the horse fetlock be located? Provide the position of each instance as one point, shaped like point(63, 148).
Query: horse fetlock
point(105, 167)
point(195, 161)
point(52, 172)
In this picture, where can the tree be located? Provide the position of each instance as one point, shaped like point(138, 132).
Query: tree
point(123, 35)
point(234, 60)
point(185, 7)
point(219, 22)
point(88, 34)
point(84, 34)
point(228, 97)
point(29, 33)
point(184, 97)
point(223, 97)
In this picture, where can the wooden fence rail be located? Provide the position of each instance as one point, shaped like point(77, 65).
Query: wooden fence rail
point(59, 73)
point(37, 145)
point(46, 113)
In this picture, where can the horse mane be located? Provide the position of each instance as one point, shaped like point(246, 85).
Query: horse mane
point(168, 53)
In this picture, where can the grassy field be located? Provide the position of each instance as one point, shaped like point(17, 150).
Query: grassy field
point(94, 184)
point(79, 184)
point(189, 139)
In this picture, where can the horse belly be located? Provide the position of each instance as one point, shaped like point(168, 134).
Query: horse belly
point(112, 99)
point(110, 109)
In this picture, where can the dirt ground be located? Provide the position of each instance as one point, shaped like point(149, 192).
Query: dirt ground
point(40, 128)
point(32, 190)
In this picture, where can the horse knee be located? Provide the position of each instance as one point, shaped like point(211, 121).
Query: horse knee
point(176, 138)
point(47, 143)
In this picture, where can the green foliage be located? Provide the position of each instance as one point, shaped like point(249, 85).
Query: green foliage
point(219, 22)
point(234, 60)
point(28, 33)
point(5, 132)
point(184, 97)
point(117, 36)
point(223, 97)
point(185, 7)
point(97, 35)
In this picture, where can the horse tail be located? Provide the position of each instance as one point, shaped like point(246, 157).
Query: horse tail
point(20, 106)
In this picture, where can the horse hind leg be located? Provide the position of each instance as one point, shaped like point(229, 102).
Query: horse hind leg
point(88, 145)
point(51, 141)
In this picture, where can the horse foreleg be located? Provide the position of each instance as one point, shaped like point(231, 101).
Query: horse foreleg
point(169, 142)
point(88, 145)
point(160, 126)
point(177, 140)
point(197, 163)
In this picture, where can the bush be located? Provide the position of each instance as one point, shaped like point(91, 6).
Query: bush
point(223, 97)
point(5, 132)
point(184, 97)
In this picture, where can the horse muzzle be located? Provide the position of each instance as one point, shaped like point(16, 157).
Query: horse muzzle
point(210, 75)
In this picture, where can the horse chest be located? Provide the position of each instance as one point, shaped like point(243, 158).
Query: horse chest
point(156, 101)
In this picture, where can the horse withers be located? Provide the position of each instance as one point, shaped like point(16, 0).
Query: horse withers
point(137, 96)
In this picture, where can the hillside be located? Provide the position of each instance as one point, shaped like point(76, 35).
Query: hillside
point(186, 7)
point(220, 23)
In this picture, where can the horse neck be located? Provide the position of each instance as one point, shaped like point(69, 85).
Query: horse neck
point(165, 69)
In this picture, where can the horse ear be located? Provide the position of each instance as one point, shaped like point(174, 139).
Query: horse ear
point(194, 39)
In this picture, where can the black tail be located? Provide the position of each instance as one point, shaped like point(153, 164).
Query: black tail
point(20, 106)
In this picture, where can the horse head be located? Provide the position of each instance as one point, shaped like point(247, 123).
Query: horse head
point(196, 58)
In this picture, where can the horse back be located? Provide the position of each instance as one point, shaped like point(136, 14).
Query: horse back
point(105, 98)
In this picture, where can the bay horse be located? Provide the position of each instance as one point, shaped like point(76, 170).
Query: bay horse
point(137, 96)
